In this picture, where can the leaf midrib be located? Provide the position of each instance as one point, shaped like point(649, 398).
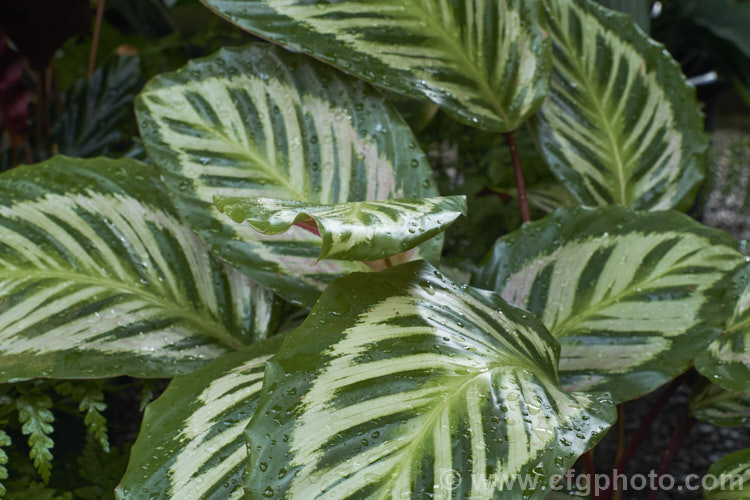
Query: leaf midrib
point(574, 320)
point(593, 97)
point(455, 44)
point(437, 411)
point(248, 153)
point(210, 328)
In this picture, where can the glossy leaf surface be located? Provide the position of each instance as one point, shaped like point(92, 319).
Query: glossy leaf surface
point(726, 362)
point(411, 385)
point(191, 444)
point(732, 477)
point(486, 62)
point(364, 230)
point(261, 122)
point(98, 277)
point(631, 296)
point(621, 124)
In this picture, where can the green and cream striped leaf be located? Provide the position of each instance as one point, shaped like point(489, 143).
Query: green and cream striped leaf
point(726, 362)
point(191, 444)
point(358, 230)
point(98, 278)
point(486, 62)
point(621, 124)
point(261, 122)
point(405, 384)
point(729, 478)
point(631, 296)
point(718, 406)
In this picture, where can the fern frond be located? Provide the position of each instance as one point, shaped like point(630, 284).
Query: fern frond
point(90, 398)
point(4, 441)
point(36, 419)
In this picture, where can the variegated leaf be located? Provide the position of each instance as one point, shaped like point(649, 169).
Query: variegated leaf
point(98, 277)
point(405, 384)
point(726, 362)
point(729, 478)
point(261, 122)
point(191, 444)
point(621, 124)
point(486, 62)
point(716, 405)
point(631, 296)
point(360, 230)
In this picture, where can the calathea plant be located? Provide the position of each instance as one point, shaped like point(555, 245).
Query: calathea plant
point(278, 182)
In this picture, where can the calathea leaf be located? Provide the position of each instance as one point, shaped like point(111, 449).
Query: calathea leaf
point(191, 444)
point(98, 277)
point(486, 62)
point(360, 230)
point(261, 122)
point(726, 362)
point(730, 477)
point(718, 406)
point(631, 296)
point(621, 124)
point(403, 384)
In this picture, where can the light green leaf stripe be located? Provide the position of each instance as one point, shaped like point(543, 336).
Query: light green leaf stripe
point(191, 444)
point(718, 406)
point(621, 124)
point(631, 296)
point(732, 477)
point(726, 362)
point(486, 62)
point(98, 278)
point(261, 122)
point(416, 386)
point(364, 230)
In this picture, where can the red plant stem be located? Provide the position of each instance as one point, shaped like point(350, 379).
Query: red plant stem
point(678, 437)
point(590, 470)
point(95, 38)
point(518, 172)
point(622, 463)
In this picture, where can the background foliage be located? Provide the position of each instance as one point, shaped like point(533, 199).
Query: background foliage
point(72, 438)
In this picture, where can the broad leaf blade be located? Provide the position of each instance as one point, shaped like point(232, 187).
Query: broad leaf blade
point(718, 406)
point(726, 362)
point(390, 385)
point(98, 277)
point(621, 124)
point(364, 230)
point(261, 122)
point(631, 296)
point(191, 444)
point(732, 477)
point(486, 62)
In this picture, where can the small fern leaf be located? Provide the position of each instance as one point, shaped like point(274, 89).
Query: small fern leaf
point(4, 441)
point(93, 404)
point(36, 419)
point(90, 398)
